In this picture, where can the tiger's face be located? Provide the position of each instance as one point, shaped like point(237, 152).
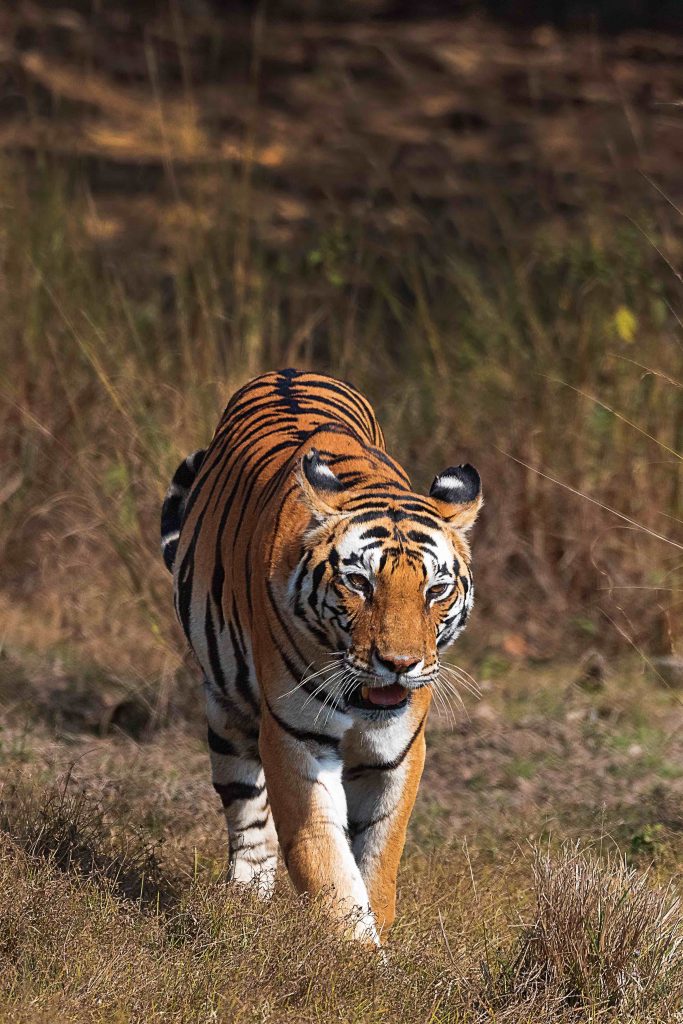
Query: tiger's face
point(385, 582)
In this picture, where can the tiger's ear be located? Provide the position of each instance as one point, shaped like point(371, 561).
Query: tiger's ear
point(323, 491)
point(457, 495)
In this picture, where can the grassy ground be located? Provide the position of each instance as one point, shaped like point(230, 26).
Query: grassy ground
point(112, 905)
point(478, 227)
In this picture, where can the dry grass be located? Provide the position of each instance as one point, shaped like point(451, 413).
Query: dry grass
point(602, 938)
point(112, 905)
point(603, 943)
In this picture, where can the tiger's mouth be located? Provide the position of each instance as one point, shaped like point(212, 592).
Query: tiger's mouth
point(379, 698)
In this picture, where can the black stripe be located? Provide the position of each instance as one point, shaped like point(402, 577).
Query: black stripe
point(238, 850)
point(386, 766)
point(299, 610)
point(316, 579)
point(253, 476)
point(219, 745)
point(288, 636)
point(302, 734)
point(433, 524)
point(229, 792)
point(360, 404)
point(420, 538)
point(311, 688)
point(296, 673)
point(184, 586)
point(247, 575)
point(212, 646)
point(258, 422)
point(350, 479)
point(356, 829)
point(257, 823)
point(375, 531)
point(213, 456)
point(242, 675)
point(217, 581)
point(398, 489)
point(231, 469)
point(299, 582)
point(333, 426)
point(417, 504)
point(314, 630)
point(324, 403)
point(367, 517)
point(285, 389)
point(224, 472)
point(244, 410)
point(272, 485)
point(377, 497)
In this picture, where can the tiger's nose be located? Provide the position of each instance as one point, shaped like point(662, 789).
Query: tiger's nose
point(395, 663)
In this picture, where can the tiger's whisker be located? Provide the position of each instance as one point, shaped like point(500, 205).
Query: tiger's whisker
point(328, 681)
point(309, 676)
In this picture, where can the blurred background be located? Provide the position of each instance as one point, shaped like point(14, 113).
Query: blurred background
point(468, 210)
point(472, 211)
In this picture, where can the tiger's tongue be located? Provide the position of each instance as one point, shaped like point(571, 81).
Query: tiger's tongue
point(387, 696)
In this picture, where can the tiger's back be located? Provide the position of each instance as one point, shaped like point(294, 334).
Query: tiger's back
point(263, 428)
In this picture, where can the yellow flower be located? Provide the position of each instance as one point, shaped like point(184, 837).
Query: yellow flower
point(625, 323)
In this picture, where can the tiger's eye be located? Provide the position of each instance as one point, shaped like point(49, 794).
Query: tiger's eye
point(437, 591)
point(361, 583)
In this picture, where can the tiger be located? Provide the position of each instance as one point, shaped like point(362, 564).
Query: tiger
point(318, 592)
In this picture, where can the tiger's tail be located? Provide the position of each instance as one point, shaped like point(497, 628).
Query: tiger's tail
point(173, 508)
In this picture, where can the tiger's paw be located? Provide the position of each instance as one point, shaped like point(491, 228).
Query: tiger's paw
point(257, 876)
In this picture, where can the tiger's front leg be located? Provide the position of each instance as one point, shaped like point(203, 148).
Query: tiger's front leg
point(382, 773)
point(304, 779)
point(239, 781)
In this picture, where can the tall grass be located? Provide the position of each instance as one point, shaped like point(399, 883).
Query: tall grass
point(518, 349)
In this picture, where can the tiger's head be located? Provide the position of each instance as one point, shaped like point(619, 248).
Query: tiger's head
point(385, 581)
